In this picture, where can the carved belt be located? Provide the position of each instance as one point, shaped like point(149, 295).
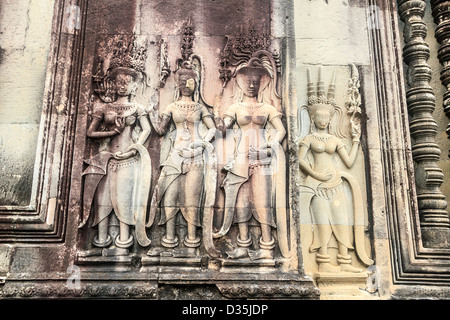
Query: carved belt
point(327, 191)
point(115, 164)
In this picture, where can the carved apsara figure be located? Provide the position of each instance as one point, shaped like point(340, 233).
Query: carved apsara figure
point(323, 189)
point(187, 162)
point(255, 181)
point(117, 179)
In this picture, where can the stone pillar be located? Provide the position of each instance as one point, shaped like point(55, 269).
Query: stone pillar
point(434, 220)
point(441, 15)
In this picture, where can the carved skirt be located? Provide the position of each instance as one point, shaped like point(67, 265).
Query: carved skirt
point(331, 216)
point(254, 197)
point(182, 191)
point(115, 192)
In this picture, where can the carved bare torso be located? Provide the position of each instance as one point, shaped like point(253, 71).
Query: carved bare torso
point(111, 116)
point(323, 147)
point(252, 120)
point(186, 118)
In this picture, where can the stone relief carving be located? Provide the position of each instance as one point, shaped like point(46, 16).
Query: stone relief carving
point(188, 162)
point(117, 179)
point(240, 48)
point(165, 64)
point(322, 191)
point(255, 172)
point(118, 194)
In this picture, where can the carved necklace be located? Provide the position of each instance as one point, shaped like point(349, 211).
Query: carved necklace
point(250, 107)
point(321, 138)
point(123, 107)
point(186, 109)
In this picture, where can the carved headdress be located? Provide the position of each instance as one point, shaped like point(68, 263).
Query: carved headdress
point(249, 54)
point(318, 98)
point(129, 56)
point(190, 64)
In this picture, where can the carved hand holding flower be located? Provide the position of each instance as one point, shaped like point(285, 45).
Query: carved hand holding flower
point(355, 130)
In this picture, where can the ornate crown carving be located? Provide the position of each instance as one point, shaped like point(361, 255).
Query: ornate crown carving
point(243, 47)
point(319, 96)
point(128, 52)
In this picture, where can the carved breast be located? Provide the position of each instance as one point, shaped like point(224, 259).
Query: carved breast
point(190, 113)
point(255, 117)
point(318, 147)
point(128, 112)
point(327, 145)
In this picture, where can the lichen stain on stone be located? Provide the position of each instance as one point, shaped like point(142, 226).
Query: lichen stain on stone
point(60, 108)
point(15, 189)
point(2, 53)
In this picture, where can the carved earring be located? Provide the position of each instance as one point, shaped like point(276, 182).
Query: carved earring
point(312, 125)
point(134, 90)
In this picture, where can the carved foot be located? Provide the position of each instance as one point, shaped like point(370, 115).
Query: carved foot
point(350, 268)
point(192, 243)
point(124, 244)
point(115, 251)
point(328, 268)
point(184, 253)
point(344, 262)
point(237, 253)
point(156, 252)
point(90, 253)
point(323, 261)
point(260, 254)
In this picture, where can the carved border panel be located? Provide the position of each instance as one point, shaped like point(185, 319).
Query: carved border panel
point(45, 221)
point(412, 263)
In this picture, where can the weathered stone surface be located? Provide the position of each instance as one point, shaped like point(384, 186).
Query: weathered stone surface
point(62, 249)
point(25, 39)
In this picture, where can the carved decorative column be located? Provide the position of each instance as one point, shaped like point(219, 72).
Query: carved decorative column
point(441, 14)
point(434, 219)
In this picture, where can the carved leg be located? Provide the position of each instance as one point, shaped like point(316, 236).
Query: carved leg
point(103, 208)
point(266, 244)
point(192, 240)
point(103, 239)
point(322, 235)
point(345, 260)
point(124, 240)
point(170, 239)
point(262, 195)
point(191, 198)
point(121, 246)
point(243, 241)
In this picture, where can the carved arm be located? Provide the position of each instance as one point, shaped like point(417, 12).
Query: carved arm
point(307, 169)
point(159, 123)
point(350, 158)
point(93, 127)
